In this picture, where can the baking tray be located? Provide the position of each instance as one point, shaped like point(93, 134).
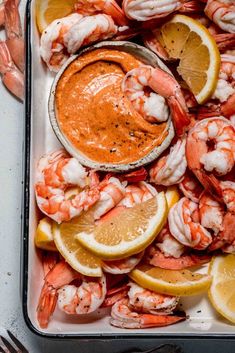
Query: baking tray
point(39, 139)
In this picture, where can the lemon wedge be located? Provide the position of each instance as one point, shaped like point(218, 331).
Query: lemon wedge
point(179, 283)
point(50, 10)
point(79, 258)
point(189, 41)
point(172, 195)
point(222, 290)
point(44, 238)
point(129, 233)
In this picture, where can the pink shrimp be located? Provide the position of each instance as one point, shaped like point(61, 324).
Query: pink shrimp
point(82, 299)
point(170, 169)
point(57, 172)
point(211, 213)
point(58, 275)
point(190, 187)
point(152, 9)
point(224, 92)
point(109, 7)
point(123, 316)
point(219, 159)
point(13, 28)
point(185, 227)
point(126, 265)
point(2, 14)
point(228, 194)
point(167, 244)
point(222, 12)
point(165, 87)
point(12, 77)
point(137, 193)
point(67, 35)
point(168, 253)
point(158, 259)
point(146, 301)
point(115, 294)
point(226, 238)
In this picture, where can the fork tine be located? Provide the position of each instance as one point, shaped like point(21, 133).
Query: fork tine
point(17, 342)
point(6, 346)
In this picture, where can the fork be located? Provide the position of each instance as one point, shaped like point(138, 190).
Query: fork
point(7, 347)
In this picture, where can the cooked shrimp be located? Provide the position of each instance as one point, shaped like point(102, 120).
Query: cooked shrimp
point(122, 316)
point(228, 194)
point(89, 30)
point(137, 193)
point(165, 86)
point(152, 107)
point(151, 9)
point(109, 7)
point(2, 14)
point(170, 169)
point(226, 238)
point(60, 274)
point(146, 301)
point(185, 227)
point(211, 213)
point(12, 77)
point(158, 259)
point(115, 294)
point(218, 158)
point(52, 45)
point(168, 245)
point(118, 267)
point(83, 299)
point(190, 187)
point(222, 13)
point(14, 36)
point(65, 36)
point(225, 86)
point(55, 173)
point(112, 191)
point(224, 92)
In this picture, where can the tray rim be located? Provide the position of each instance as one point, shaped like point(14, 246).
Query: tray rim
point(25, 226)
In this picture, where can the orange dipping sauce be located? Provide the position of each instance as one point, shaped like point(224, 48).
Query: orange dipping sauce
point(94, 114)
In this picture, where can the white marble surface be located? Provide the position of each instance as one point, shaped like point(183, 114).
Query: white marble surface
point(11, 141)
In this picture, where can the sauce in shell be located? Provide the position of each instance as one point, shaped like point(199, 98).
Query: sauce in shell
point(94, 114)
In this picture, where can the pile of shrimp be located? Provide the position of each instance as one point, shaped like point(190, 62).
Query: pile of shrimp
point(12, 49)
point(200, 163)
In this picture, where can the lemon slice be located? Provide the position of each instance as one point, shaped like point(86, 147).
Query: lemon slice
point(172, 195)
point(44, 235)
point(189, 41)
point(78, 257)
point(129, 233)
point(180, 283)
point(50, 10)
point(222, 290)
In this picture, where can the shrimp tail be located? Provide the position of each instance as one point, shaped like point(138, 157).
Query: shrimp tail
point(225, 41)
point(46, 305)
point(115, 11)
point(136, 176)
point(191, 6)
point(149, 320)
point(180, 116)
point(12, 78)
point(228, 108)
point(13, 28)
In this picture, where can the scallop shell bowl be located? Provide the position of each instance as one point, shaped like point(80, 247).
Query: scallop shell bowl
point(148, 58)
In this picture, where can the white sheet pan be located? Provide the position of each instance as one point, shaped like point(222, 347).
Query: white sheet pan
point(39, 139)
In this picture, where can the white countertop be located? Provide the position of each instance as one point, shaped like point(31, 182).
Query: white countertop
point(12, 123)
